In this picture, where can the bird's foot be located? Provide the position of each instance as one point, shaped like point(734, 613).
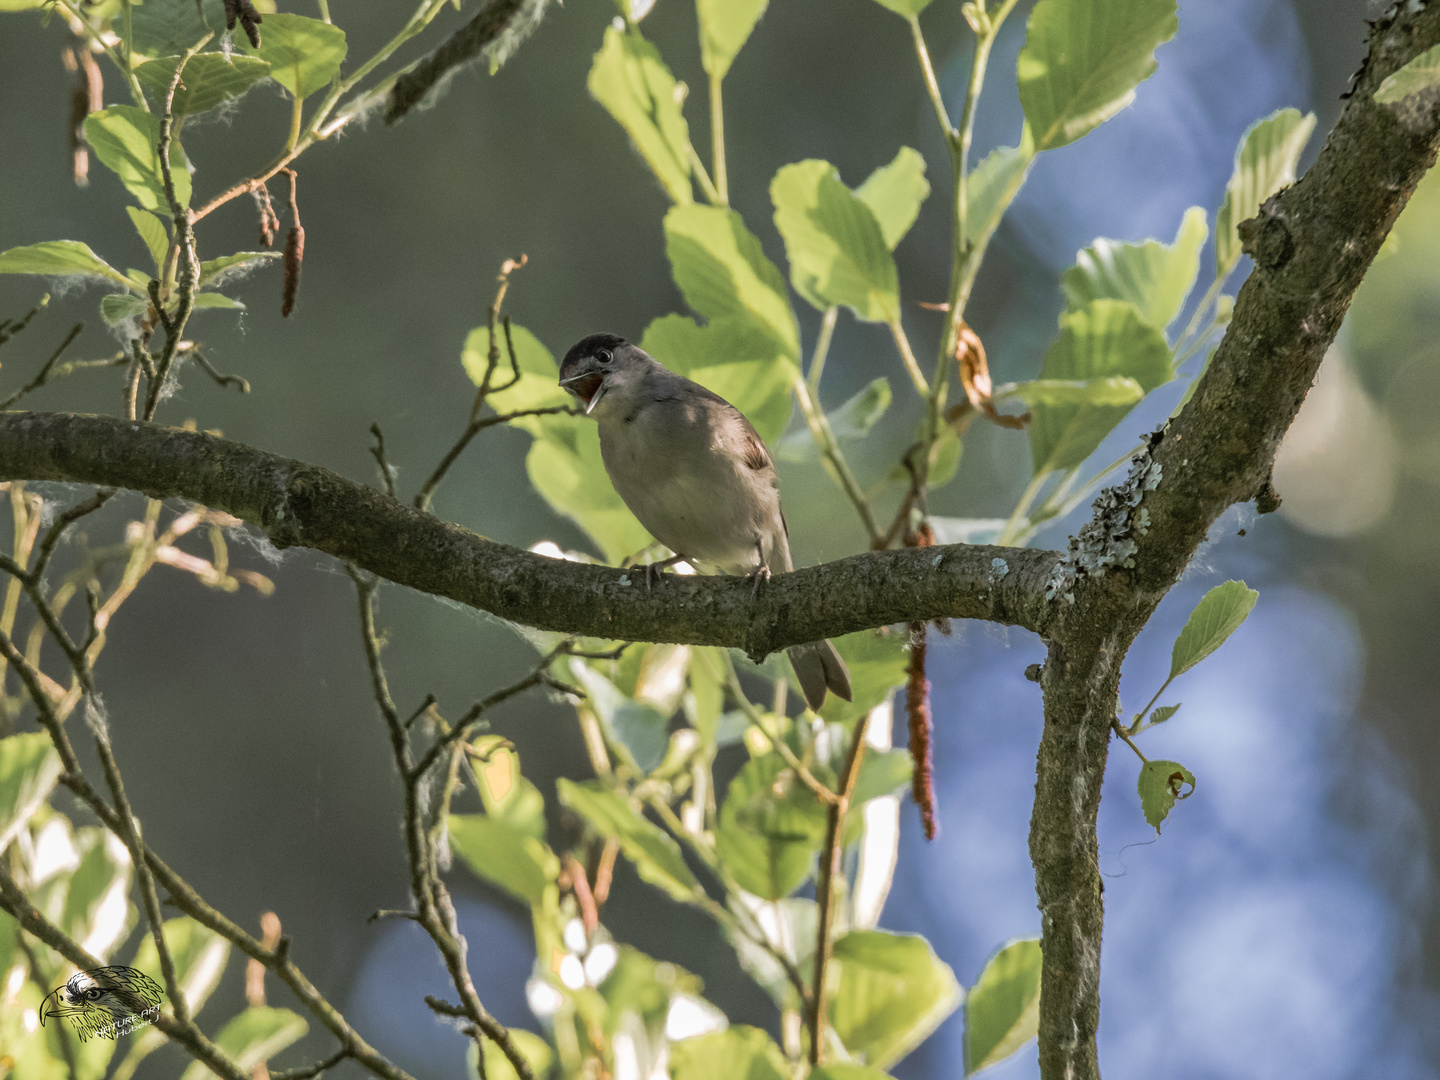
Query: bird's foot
point(655, 571)
point(755, 577)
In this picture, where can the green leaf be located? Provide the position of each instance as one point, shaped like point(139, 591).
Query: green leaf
point(1265, 162)
point(153, 232)
point(215, 271)
point(170, 27)
point(208, 300)
point(538, 386)
point(736, 358)
point(906, 8)
point(209, 79)
point(504, 790)
point(882, 772)
point(1217, 616)
point(723, 272)
point(535, 1050)
point(852, 420)
point(836, 250)
point(200, 956)
point(636, 88)
point(60, 258)
point(894, 193)
point(950, 530)
point(29, 767)
point(725, 26)
point(737, 1053)
point(656, 856)
point(992, 185)
point(1161, 784)
point(877, 663)
point(1110, 390)
point(1107, 337)
point(889, 991)
point(1421, 73)
point(115, 308)
point(98, 913)
point(505, 855)
point(304, 54)
point(1163, 713)
point(125, 138)
point(767, 838)
point(257, 1034)
point(635, 725)
point(1083, 59)
point(847, 1071)
point(1155, 277)
point(1002, 1009)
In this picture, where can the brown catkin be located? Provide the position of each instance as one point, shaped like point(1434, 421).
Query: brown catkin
point(294, 256)
point(917, 709)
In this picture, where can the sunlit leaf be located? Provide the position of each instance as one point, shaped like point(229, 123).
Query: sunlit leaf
point(736, 358)
point(633, 84)
point(723, 273)
point(98, 913)
point(505, 792)
point(992, 185)
point(725, 26)
point(256, 1035)
point(1155, 277)
point(894, 193)
point(1110, 390)
point(125, 139)
point(199, 955)
point(1083, 59)
point(847, 1071)
point(304, 54)
point(212, 300)
point(852, 420)
point(58, 258)
point(889, 991)
point(656, 856)
point(29, 767)
point(737, 1053)
point(209, 79)
point(535, 1050)
point(115, 308)
point(1217, 616)
point(836, 250)
point(905, 7)
point(1163, 713)
point(1265, 162)
point(504, 854)
point(1002, 1009)
point(1105, 338)
point(637, 726)
point(770, 829)
point(1421, 73)
point(877, 663)
point(1161, 784)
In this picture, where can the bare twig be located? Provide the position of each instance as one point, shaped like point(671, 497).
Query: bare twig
point(378, 452)
point(221, 379)
point(44, 374)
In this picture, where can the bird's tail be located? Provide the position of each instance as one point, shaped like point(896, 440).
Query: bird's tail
point(817, 667)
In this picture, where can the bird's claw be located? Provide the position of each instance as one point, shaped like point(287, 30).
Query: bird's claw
point(655, 571)
point(756, 576)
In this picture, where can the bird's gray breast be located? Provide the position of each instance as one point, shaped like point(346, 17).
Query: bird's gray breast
point(678, 461)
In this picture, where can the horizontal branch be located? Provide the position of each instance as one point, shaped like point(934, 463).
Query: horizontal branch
point(301, 505)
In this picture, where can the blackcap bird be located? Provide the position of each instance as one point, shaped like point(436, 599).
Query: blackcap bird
point(694, 472)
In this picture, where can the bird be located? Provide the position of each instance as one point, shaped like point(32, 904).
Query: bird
point(696, 474)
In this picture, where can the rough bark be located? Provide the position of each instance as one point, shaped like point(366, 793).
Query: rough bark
point(1312, 244)
point(304, 505)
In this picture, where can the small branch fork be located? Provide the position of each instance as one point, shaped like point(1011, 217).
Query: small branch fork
point(424, 828)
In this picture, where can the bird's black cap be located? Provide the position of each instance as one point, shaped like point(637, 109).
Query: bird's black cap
point(589, 346)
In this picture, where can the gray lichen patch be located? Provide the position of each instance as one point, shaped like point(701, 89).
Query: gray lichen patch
point(1108, 538)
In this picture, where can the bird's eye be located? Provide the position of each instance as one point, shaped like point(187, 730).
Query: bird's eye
point(604, 356)
point(94, 993)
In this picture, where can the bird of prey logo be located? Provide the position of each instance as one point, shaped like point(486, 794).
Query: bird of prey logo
point(106, 1002)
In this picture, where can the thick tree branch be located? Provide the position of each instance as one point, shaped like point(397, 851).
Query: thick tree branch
point(304, 505)
point(1312, 244)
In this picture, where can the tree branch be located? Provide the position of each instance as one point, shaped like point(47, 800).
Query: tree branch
point(1312, 244)
point(304, 505)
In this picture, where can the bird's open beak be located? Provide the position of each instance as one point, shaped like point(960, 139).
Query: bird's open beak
point(588, 386)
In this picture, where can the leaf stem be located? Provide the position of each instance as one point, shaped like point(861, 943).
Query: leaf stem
point(822, 350)
point(1119, 729)
point(907, 355)
point(1022, 508)
point(717, 140)
point(932, 86)
point(824, 437)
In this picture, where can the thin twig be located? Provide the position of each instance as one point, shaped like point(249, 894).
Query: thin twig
point(44, 374)
point(378, 453)
point(825, 882)
point(221, 379)
point(306, 1072)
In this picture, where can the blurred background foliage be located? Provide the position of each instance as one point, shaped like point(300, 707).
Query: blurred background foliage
point(1286, 924)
